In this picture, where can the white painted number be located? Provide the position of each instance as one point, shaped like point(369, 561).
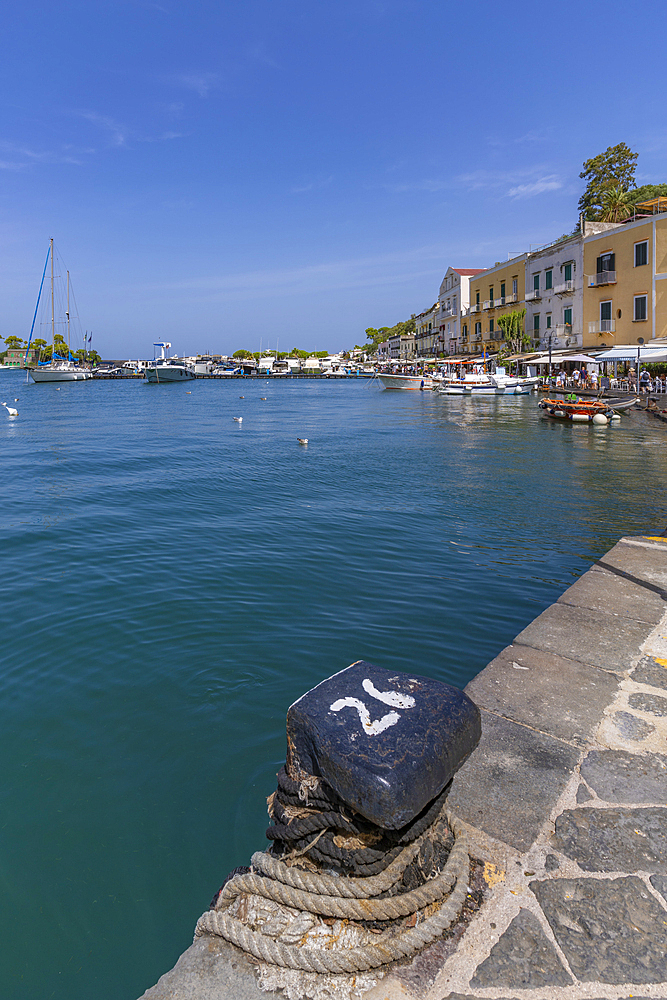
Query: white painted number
point(392, 698)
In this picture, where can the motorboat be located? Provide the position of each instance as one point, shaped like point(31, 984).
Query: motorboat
point(585, 411)
point(405, 381)
point(164, 369)
point(470, 385)
point(515, 386)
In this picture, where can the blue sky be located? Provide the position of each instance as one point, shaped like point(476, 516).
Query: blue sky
point(220, 173)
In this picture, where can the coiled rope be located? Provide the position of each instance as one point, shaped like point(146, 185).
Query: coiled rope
point(348, 899)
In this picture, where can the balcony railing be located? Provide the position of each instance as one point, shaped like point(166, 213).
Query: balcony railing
point(446, 313)
point(564, 287)
point(499, 302)
point(475, 307)
point(533, 295)
point(602, 326)
point(487, 304)
point(603, 278)
point(510, 298)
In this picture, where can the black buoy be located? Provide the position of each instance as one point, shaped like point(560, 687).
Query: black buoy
point(386, 742)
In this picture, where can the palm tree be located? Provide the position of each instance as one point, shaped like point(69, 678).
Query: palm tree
point(615, 205)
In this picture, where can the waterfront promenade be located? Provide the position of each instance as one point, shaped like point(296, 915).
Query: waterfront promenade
point(564, 803)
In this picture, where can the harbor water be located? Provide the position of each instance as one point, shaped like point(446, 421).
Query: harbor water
point(172, 580)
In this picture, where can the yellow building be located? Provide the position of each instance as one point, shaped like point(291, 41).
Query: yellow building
point(498, 290)
point(625, 287)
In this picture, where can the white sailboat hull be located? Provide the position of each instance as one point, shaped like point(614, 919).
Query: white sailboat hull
point(60, 374)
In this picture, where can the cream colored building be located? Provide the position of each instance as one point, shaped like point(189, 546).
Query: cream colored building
point(452, 306)
point(625, 293)
point(426, 331)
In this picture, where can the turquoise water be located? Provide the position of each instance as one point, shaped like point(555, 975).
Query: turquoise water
point(172, 580)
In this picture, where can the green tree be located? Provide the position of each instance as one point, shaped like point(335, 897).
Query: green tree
point(515, 336)
point(242, 354)
point(613, 168)
point(13, 343)
point(614, 205)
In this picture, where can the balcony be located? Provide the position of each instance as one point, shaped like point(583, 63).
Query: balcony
point(447, 313)
point(487, 304)
point(565, 287)
point(602, 326)
point(475, 307)
point(510, 298)
point(497, 303)
point(533, 295)
point(602, 278)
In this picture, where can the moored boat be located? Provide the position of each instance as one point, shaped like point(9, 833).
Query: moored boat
point(164, 369)
point(406, 381)
point(580, 411)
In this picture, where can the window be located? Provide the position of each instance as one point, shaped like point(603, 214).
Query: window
point(515, 286)
point(536, 282)
point(548, 279)
point(567, 316)
point(478, 328)
point(491, 294)
point(605, 317)
point(536, 322)
point(606, 262)
point(567, 272)
point(548, 320)
point(502, 289)
point(477, 299)
point(464, 331)
point(490, 326)
point(641, 254)
point(640, 305)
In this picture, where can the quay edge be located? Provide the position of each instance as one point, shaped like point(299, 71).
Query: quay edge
point(564, 801)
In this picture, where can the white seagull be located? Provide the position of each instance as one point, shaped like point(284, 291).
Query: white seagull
point(237, 419)
point(302, 440)
point(11, 411)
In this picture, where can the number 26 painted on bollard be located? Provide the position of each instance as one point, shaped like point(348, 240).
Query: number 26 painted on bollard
point(392, 698)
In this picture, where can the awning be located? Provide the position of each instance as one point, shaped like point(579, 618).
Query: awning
point(647, 354)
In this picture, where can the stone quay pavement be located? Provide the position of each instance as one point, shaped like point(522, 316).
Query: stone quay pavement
point(565, 805)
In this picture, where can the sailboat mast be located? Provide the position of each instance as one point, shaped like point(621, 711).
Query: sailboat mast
point(69, 348)
point(53, 306)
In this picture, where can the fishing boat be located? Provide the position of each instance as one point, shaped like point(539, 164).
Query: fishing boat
point(405, 381)
point(581, 411)
point(57, 369)
point(164, 369)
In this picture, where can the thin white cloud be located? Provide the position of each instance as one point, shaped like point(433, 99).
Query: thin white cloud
point(116, 132)
point(313, 185)
point(201, 83)
point(24, 156)
point(542, 184)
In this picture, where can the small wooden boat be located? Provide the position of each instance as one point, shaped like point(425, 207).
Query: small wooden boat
point(581, 411)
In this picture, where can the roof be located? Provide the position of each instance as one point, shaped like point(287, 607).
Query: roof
point(468, 271)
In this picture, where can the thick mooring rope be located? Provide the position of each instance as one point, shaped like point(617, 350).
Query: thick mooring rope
point(346, 898)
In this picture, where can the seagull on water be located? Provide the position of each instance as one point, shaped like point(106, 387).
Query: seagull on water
point(263, 398)
point(241, 397)
point(237, 419)
point(10, 410)
point(302, 440)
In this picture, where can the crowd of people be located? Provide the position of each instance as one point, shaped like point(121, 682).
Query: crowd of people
point(581, 378)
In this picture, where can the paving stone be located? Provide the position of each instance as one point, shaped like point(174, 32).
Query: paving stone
point(646, 561)
point(659, 882)
point(631, 727)
point(617, 776)
point(523, 957)
point(650, 703)
point(605, 641)
point(211, 969)
point(551, 863)
point(511, 782)
point(652, 672)
point(583, 795)
point(610, 930)
point(559, 696)
point(600, 590)
point(614, 839)
point(387, 742)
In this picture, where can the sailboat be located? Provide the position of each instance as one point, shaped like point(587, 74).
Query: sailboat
point(58, 369)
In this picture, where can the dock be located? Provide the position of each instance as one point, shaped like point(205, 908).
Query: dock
point(564, 805)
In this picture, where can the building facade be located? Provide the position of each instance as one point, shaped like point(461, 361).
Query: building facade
point(402, 347)
point(426, 332)
point(625, 296)
point(16, 357)
point(452, 306)
point(498, 290)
